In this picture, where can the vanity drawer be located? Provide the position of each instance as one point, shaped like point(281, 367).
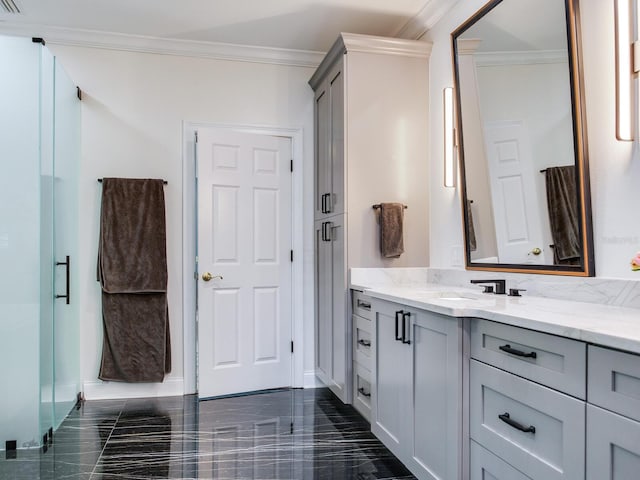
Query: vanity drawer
point(362, 390)
point(362, 340)
point(552, 449)
point(361, 304)
point(484, 465)
point(554, 361)
point(614, 381)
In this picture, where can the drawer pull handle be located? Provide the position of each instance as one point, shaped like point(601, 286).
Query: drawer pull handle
point(505, 418)
point(399, 314)
point(364, 305)
point(518, 353)
point(364, 343)
point(363, 392)
point(406, 329)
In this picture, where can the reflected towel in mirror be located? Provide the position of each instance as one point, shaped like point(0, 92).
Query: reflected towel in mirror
point(471, 231)
point(563, 214)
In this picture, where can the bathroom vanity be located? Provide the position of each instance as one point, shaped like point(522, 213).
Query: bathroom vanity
point(471, 385)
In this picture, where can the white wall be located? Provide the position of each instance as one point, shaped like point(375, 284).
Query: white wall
point(615, 166)
point(132, 113)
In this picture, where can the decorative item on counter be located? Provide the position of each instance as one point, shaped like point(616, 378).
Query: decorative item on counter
point(635, 262)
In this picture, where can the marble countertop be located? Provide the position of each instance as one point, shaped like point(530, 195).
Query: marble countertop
point(610, 326)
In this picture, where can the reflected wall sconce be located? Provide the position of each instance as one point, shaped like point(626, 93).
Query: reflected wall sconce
point(627, 64)
point(449, 139)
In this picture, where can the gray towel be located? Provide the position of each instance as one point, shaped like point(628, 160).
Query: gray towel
point(562, 201)
point(132, 270)
point(391, 229)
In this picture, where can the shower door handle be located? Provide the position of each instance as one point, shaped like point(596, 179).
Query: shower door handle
point(67, 264)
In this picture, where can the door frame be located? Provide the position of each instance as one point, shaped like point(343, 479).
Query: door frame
point(189, 236)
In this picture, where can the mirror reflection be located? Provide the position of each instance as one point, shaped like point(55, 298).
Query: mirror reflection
point(522, 177)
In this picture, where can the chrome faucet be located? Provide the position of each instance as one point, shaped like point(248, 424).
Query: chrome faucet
point(500, 286)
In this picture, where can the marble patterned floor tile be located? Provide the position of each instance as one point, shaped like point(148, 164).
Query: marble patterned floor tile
point(280, 435)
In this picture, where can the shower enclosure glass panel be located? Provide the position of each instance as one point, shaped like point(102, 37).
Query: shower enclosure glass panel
point(39, 153)
point(19, 243)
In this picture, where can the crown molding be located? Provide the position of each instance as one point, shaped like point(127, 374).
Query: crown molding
point(425, 19)
point(492, 59)
point(164, 46)
point(353, 42)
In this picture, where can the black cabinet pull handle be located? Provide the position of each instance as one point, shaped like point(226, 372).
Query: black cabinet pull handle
point(518, 353)
point(66, 263)
point(364, 343)
point(326, 226)
point(506, 419)
point(325, 199)
point(364, 305)
point(398, 314)
point(406, 329)
point(363, 392)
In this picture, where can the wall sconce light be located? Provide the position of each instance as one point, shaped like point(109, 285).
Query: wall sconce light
point(449, 139)
point(626, 68)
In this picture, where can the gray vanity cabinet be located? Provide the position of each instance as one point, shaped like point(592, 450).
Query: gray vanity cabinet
point(520, 418)
point(416, 388)
point(362, 347)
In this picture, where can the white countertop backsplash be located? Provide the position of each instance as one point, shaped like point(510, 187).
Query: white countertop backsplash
point(594, 310)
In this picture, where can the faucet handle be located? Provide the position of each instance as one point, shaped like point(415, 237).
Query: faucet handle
point(515, 292)
point(487, 289)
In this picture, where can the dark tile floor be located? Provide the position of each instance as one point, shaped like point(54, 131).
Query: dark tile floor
point(289, 434)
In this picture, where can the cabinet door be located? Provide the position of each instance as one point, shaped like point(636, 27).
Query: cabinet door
point(613, 446)
point(329, 145)
point(341, 326)
point(322, 125)
point(437, 395)
point(337, 141)
point(391, 396)
point(323, 310)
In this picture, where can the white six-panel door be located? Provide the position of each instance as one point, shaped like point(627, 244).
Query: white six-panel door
point(244, 242)
point(516, 208)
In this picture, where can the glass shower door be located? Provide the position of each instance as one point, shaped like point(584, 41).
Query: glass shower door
point(66, 335)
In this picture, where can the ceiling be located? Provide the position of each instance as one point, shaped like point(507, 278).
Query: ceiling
point(310, 25)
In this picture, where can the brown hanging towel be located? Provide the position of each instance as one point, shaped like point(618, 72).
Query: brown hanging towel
point(132, 270)
point(391, 229)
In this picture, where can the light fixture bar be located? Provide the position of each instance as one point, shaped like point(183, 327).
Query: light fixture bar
point(625, 109)
point(449, 139)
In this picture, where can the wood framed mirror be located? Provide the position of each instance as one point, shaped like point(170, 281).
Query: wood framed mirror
point(522, 141)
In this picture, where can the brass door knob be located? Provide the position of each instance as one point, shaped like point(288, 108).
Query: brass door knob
point(206, 276)
point(536, 251)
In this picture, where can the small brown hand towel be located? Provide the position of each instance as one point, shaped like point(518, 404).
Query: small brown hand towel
point(391, 235)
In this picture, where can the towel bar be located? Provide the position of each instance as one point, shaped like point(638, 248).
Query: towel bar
point(377, 206)
point(163, 181)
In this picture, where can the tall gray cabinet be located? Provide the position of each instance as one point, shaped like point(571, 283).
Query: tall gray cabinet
point(371, 124)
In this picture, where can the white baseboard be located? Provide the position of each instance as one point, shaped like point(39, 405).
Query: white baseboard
point(311, 381)
point(99, 390)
